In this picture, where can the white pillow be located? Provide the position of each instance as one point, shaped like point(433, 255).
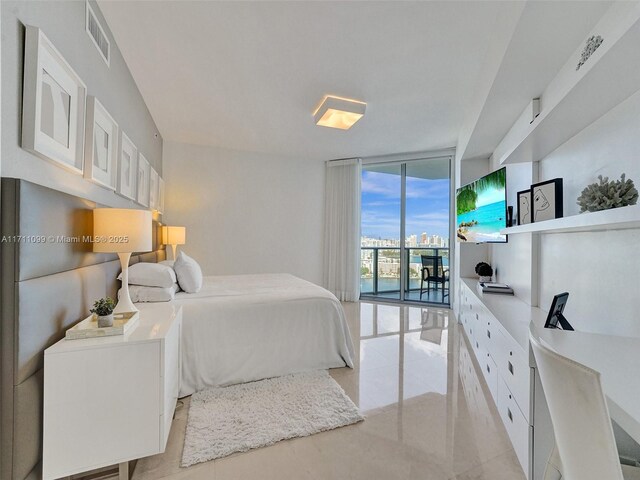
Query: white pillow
point(140, 293)
point(151, 275)
point(167, 262)
point(188, 272)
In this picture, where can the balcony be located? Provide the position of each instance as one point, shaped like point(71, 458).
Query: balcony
point(380, 274)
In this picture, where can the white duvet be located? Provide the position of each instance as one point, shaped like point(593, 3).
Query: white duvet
point(243, 328)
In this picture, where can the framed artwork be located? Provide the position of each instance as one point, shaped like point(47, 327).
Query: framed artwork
point(143, 180)
point(160, 195)
point(127, 167)
point(53, 104)
point(547, 200)
point(153, 189)
point(101, 145)
point(524, 207)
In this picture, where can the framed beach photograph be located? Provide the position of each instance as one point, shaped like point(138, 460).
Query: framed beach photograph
point(524, 207)
point(143, 180)
point(53, 104)
point(101, 145)
point(153, 189)
point(546, 200)
point(127, 167)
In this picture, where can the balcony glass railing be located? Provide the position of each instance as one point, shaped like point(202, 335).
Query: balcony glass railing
point(380, 271)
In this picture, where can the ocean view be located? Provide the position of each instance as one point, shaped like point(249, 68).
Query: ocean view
point(491, 218)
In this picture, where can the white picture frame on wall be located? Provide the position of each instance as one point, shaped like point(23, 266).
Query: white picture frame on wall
point(53, 104)
point(153, 189)
point(101, 145)
point(127, 167)
point(160, 195)
point(143, 180)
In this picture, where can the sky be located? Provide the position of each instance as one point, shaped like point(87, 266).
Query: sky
point(427, 206)
point(489, 196)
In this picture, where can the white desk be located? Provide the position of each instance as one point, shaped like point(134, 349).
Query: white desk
point(618, 361)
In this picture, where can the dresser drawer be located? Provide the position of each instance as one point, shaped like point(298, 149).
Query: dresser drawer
point(490, 372)
point(518, 428)
point(514, 369)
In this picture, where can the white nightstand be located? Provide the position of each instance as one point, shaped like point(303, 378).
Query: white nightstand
point(111, 400)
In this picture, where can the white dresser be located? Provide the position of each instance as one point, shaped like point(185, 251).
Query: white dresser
point(110, 400)
point(497, 327)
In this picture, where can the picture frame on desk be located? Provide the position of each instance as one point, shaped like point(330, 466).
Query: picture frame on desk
point(524, 207)
point(546, 200)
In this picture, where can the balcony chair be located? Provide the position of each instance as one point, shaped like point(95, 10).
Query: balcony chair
point(585, 446)
point(432, 271)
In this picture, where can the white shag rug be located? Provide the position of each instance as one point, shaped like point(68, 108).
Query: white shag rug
point(225, 420)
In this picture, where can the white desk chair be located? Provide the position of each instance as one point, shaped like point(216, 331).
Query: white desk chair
point(585, 445)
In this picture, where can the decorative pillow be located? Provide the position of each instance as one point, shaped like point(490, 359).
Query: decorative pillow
point(188, 272)
point(140, 293)
point(169, 263)
point(151, 275)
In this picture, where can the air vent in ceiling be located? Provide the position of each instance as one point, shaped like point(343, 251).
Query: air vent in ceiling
point(96, 32)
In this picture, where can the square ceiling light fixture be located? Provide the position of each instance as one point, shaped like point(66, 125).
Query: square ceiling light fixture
point(338, 112)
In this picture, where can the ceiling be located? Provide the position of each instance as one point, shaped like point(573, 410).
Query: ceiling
point(248, 75)
point(546, 35)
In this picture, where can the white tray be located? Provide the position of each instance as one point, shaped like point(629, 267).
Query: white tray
point(88, 328)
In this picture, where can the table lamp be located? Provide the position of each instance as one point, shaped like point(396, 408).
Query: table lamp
point(122, 231)
point(174, 236)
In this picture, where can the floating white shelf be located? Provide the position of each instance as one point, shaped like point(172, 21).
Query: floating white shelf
point(614, 219)
point(612, 78)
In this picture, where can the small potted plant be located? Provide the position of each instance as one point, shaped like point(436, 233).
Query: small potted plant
point(484, 271)
point(103, 309)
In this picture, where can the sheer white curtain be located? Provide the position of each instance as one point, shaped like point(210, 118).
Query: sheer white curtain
point(342, 229)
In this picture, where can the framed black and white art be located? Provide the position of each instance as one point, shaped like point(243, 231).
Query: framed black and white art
point(101, 145)
point(160, 195)
point(127, 167)
point(524, 207)
point(53, 104)
point(143, 180)
point(547, 200)
point(153, 189)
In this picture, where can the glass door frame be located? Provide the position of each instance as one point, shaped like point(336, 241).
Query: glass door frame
point(403, 160)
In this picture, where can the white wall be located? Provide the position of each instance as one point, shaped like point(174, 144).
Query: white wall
point(246, 212)
point(600, 270)
point(63, 22)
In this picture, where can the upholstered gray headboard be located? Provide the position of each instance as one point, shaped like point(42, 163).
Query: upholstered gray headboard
point(47, 286)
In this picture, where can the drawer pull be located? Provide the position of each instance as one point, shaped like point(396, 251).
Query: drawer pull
point(477, 318)
point(488, 369)
point(488, 333)
point(477, 346)
point(511, 354)
point(510, 415)
point(511, 368)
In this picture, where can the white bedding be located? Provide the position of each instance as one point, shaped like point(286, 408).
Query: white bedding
point(242, 328)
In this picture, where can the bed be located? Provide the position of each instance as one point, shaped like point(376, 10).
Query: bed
point(242, 328)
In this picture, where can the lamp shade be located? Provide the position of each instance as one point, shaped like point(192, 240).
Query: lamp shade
point(121, 230)
point(172, 235)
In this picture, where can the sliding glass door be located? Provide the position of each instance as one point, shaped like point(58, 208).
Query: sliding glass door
point(405, 231)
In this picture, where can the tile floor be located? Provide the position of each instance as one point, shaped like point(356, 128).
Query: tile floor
point(425, 419)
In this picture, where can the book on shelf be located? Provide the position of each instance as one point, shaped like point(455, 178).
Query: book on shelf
point(493, 287)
